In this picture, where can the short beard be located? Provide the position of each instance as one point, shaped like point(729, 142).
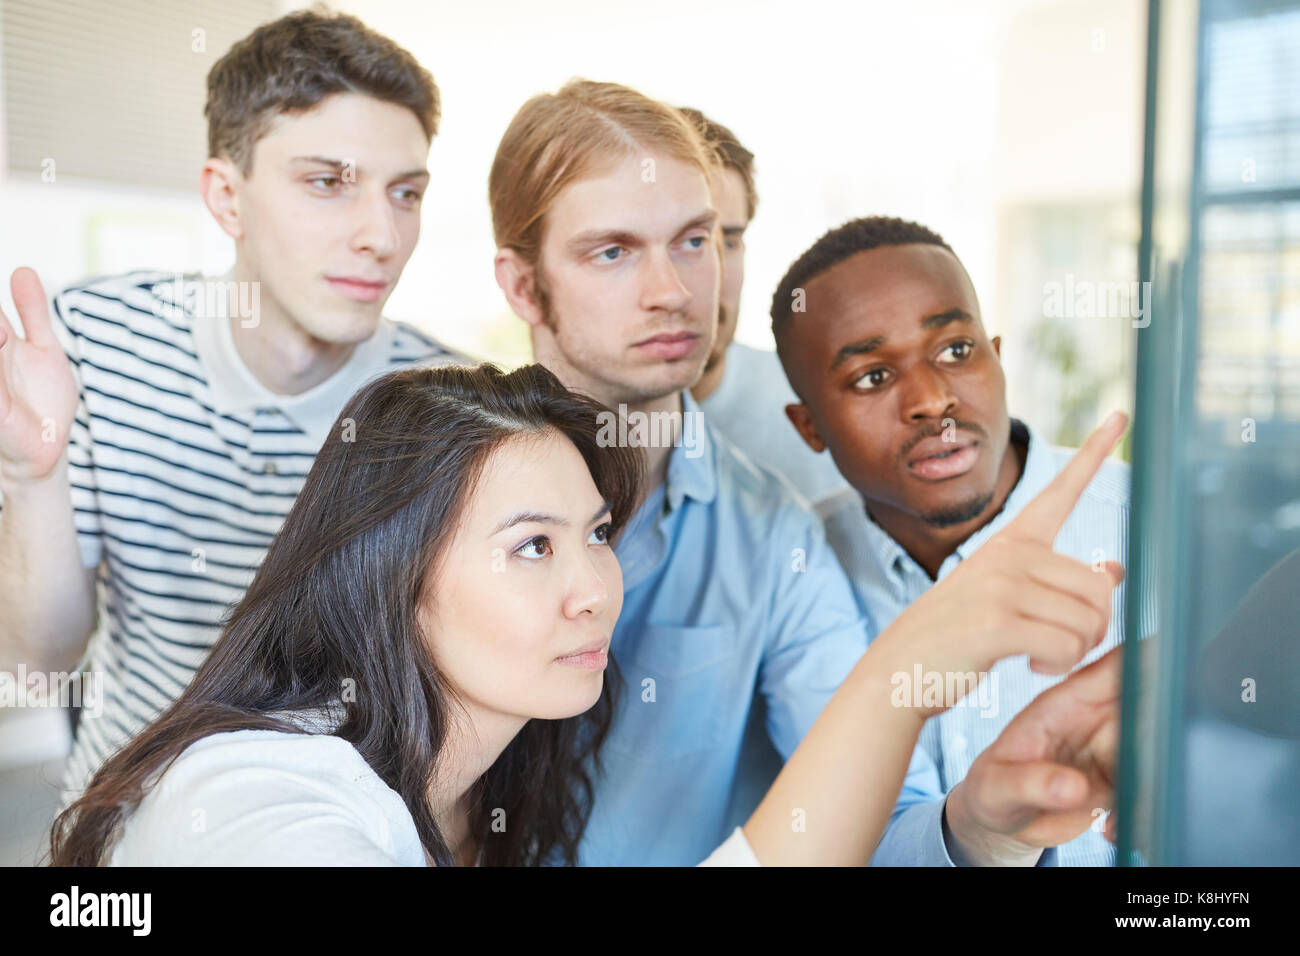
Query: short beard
point(958, 514)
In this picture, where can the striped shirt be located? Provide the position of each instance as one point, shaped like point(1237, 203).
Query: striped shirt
point(183, 466)
point(886, 579)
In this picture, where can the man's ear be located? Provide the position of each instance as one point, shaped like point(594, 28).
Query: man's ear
point(802, 421)
point(997, 345)
point(517, 280)
point(219, 184)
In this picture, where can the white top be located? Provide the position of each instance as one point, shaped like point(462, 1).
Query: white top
point(748, 407)
point(269, 798)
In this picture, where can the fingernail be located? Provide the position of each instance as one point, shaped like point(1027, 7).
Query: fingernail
point(1113, 419)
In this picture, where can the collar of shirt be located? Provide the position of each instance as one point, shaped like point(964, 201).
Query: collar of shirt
point(692, 473)
point(1037, 474)
point(234, 388)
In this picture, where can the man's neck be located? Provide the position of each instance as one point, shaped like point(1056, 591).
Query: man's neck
point(657, 458)
point(279, 353)
point(545, 353)
point(711, 379)
point(929, 546)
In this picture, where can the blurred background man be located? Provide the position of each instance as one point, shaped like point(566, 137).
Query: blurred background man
point(742, 389)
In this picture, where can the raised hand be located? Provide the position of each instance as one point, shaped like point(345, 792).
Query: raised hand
point(1014, 595)
point(38, 392)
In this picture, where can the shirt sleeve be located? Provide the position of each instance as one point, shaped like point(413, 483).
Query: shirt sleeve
point(736, 851)
point(916, 834)
point(816, 636)
point(215, 812)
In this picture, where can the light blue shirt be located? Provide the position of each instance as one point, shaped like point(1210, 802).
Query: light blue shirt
point(886, 580)
point(733, 605)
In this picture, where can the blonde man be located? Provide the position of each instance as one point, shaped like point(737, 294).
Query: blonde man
point(737, 622)
point(743, 390)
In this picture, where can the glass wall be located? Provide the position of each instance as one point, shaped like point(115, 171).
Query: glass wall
point(1210, 766)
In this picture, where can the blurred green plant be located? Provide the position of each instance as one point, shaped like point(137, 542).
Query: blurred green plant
point(1081, 386)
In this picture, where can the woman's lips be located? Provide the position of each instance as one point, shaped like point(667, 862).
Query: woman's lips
point(674, 346)
point(592, 658)
point(946, 464)
point(588, 660)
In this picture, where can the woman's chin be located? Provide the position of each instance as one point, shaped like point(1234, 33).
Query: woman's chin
point(576, 702)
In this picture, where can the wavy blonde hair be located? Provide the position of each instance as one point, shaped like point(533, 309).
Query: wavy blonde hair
point(560, 138)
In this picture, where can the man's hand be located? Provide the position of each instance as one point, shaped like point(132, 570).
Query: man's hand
point(38, 393)
point(1043, 781)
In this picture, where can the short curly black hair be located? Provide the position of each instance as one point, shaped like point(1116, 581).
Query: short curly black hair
point(856, 235)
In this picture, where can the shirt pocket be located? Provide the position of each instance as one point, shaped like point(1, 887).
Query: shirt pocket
point(681, 692)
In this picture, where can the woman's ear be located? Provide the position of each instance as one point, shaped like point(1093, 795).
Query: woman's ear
point(518, 280)
point(802, 420)
point(219, 184)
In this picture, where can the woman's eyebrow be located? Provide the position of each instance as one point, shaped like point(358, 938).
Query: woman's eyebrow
point(540, 517)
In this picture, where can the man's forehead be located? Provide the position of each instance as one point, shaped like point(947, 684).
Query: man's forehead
point(626, 195)
point(881, 281)
point(729, 196)
point(904, 293)
point(390, 139)
point(879, 268)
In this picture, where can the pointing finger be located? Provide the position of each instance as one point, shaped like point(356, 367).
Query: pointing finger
point(1043, 517)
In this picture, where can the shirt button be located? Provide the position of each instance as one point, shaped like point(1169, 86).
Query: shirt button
point(268, 468)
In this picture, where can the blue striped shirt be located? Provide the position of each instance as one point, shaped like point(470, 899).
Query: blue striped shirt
point(886, 580)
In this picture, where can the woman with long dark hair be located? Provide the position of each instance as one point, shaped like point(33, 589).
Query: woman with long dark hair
point(343, 632)
point(417, 672)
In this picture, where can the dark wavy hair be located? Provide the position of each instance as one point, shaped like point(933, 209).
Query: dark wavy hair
point(336, 600)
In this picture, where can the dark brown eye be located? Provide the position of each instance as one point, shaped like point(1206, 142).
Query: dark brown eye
point(534, 548)
point(872, 379)
point(964, 347)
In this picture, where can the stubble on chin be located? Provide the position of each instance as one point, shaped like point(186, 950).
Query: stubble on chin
point(960, 513)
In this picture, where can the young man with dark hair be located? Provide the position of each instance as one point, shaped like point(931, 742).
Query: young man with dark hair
point(879, 330)
point(157, 431)
point(742, 389)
